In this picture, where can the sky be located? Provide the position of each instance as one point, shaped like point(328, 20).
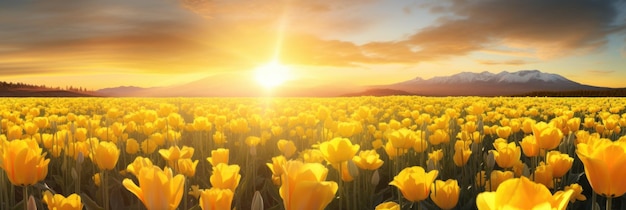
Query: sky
point(150, 43)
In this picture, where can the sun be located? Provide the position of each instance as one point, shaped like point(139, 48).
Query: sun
point(272, 74)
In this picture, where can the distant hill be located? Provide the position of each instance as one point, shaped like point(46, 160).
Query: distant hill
point(9, 89)
point(490, 84)
point(380, 92)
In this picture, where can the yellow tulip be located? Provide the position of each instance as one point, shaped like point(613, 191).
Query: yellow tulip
point(304, 187)
point(174, 153)
point(521, 193)
point(561, 163)
point(158, 188)
point(338, 150)
point(59, 202)
point(288, 148)
point(390, 205)
point(414, 182)
point(496, 178)
point(548, 137)
point(604, 162)
point(106, 155)
point(368, 160)
point(312, 156)
point(503, 132)
point(218, 156)
point(23, 162)
point(530, 146)
point(277, 165)
point(543, 175)
point(461, 157)
point(446, 194)
point(439, 136)
point(578, 192)
point(187, 167)
point(138, 164)
point(402, 138)
point(96, 179)
point(225, 176)
point(132, 147)
point(506, 154)
point(216, 199)
point(201, 124)
point(30, 128)
point(14, 132)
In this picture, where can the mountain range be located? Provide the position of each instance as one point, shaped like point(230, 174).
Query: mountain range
point(489, 84)
point(462, 84)
point(519, 83)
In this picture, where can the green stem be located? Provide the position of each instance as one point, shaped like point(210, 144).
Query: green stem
point(25, 197)
point(105, 191)
point(593, 200)
point(609, 202)
point(340, 188)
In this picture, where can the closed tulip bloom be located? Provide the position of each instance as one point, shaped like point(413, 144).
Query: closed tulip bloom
point(521, 193)
point(304, 186)
point(338, 150)
point(402, 138)
point(368, 160)
point(132, 147)
point(225, 176)
point(548, 137)
point(446, 194)
point(218, 156)
point(23, 162)
point(288, 148)
point(216, 199)
point(573, 124)
point(106, 155)
point(561, 163)
point(530, 146)
point(390, 205)
point(543, 175)
point(503, 132)
point(414, 183)
point(60, 202)
point(604, 162)
point(157, 189)
point(461, 157)
point(506, 154)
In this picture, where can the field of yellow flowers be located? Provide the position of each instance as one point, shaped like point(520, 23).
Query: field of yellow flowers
point(312, 153)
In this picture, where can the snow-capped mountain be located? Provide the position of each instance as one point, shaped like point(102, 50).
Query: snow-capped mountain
point(489, 84)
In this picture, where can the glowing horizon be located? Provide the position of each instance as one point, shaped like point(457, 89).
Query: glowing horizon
point(117, 43)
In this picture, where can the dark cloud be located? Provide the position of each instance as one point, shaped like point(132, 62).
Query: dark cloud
point(550, 28)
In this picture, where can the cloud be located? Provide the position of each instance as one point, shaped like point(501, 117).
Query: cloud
point(601, 72)
point(515, 62)
point(548, 28)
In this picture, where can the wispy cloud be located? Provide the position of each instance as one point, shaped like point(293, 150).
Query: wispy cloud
point(601, 72)
point(515, 62)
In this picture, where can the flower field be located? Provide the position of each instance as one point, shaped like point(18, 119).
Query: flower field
point(357, 153)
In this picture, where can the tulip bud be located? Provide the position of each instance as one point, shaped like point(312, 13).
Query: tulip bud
point(81, 157)
point(74, 174)
point(32, 205)
point(353, 169)
point(257, 201)
point(253, 152)
point(375, 178)
point(491, 160)
point(430, 165)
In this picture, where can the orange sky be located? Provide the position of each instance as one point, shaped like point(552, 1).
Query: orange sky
point(150, 43)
